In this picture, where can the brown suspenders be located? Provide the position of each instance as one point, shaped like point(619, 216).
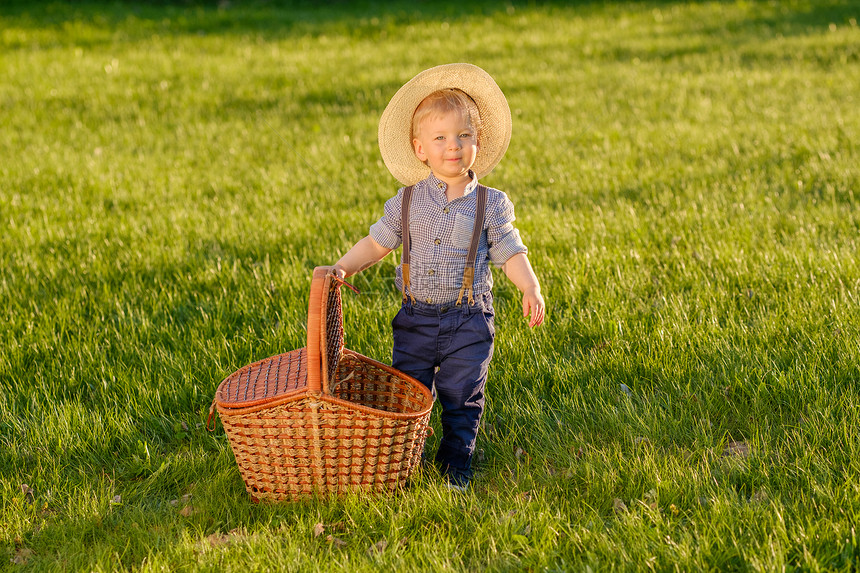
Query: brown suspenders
point(407, 241)
point(471, 257)
point(469, 271)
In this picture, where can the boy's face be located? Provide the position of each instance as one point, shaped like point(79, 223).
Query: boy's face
point(448, 144)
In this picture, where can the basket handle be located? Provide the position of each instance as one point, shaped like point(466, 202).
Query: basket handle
point(324, 279)
point(315, 304)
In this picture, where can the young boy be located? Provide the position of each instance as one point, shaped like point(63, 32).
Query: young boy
point(442, 130)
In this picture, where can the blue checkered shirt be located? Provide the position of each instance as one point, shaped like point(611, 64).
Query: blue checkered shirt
point(441, 232)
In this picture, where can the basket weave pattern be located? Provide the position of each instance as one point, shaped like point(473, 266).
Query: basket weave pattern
point(323, 419)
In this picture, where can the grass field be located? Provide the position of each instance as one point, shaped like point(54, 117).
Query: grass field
point(686, 177)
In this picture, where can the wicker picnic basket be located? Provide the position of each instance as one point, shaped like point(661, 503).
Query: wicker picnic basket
point(323, 419)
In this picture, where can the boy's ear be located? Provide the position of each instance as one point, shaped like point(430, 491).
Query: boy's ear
point(419, 150)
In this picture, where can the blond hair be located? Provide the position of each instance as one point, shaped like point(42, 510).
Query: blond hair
point(445, 101)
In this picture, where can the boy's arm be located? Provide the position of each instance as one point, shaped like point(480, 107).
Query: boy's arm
point(519, 270)
point(365, 253)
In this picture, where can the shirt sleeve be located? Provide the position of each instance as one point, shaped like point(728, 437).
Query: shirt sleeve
point(387, 230)
point(503, 239)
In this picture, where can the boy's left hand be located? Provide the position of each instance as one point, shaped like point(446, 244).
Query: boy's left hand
point(533, 306)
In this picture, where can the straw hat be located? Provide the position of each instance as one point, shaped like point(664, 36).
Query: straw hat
point(395, 125)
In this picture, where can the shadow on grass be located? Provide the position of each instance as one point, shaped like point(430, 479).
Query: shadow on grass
point(276, 19)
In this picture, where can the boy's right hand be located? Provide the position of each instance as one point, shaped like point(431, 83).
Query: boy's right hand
point(338, 271)
point(534, 307)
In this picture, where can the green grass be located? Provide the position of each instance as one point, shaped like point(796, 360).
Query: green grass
point(685, 176)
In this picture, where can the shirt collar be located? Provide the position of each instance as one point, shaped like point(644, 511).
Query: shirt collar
point(437, 183)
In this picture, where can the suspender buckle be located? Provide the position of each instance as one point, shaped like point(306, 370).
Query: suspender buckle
point(404, 270)
point(468, 278)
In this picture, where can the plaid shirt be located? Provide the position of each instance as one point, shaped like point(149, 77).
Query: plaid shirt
point(441, 232)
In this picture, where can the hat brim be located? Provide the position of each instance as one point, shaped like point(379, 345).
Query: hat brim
point(395, 125)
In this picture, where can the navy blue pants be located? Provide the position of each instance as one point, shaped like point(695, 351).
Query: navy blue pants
point(448, 348)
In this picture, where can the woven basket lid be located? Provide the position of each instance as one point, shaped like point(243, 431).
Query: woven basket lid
point(265, 380)
point(307, 369)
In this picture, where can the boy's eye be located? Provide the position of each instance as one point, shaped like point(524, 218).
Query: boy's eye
point(465, 135)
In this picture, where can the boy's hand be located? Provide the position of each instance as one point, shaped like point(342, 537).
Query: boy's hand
point(533, 306)
point(519, 270)
point(338, 271)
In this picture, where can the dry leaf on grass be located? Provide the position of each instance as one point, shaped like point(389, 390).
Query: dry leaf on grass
point(521, 455)
point(651, 499)
point(187, 511)
point(184, 500)
point(604, 344)
point(320, 528)
point(377, 547)
point(218, 539)
point(22, 556)
point(479, 457)
point(335, 541)
point(116, 500)
point(618, 505)
point(739, 449)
